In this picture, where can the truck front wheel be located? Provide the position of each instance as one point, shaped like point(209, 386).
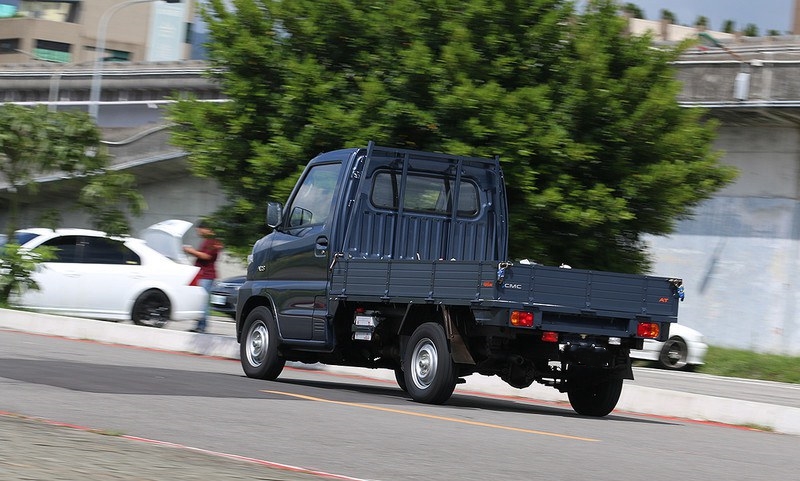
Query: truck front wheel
point(259, 348)
point(595, 399)
point(430, 374)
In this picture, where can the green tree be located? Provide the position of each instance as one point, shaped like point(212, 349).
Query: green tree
point(668, 16)
point(633, 10)
point(702, 21)
point(750, 30)
point(105, 198)
point(729, 26)
point(35, 141)
point(16, 267)
point(595, 148)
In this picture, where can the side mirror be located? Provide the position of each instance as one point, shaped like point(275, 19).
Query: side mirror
point(274, 214)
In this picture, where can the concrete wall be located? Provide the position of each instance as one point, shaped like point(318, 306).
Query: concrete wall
point(739, 255)
point(188, 198)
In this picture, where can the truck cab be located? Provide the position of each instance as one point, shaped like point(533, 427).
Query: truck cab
point(373, 203)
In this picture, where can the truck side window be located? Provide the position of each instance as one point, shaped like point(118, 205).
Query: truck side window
point(426, 194)
point(312, 204)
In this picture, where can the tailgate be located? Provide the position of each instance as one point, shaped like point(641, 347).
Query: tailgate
point(604, 293)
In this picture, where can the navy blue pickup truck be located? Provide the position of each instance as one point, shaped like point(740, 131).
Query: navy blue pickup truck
point(397, 259)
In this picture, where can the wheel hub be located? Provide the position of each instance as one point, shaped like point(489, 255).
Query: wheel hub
point(424, 364)
point(257, 343)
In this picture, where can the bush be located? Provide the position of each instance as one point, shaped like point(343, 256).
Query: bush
point(16, 267)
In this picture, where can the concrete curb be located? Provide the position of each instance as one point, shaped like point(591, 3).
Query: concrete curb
point(120, 333)
point(635, 399)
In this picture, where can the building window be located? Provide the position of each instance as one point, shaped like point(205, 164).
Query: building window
point(50, 10)
point(9, 45)
point(114, 55)
point(52, 51)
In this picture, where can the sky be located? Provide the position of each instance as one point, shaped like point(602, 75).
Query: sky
point(765, 14)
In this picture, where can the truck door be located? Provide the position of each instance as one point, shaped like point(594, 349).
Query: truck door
point(300, 255)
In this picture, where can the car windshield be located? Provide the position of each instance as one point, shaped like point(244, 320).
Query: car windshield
point(23, 237)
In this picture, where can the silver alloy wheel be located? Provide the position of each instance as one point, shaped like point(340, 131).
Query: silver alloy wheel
point(257, 343)
point(424, 363)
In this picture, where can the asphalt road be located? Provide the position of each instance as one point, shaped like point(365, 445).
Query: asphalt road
point(773, 406)
point(351, 428)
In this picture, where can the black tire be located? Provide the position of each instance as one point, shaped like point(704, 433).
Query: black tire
point(400, 376)
point(674, 354)
point(258, 350)
point(430, 374)
point(596, 399)
point(151, 309)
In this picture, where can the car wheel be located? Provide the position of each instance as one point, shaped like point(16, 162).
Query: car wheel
point(259, 348)
point(595, 399)
point(673, 354)
point(151, 309)
point(430, 374)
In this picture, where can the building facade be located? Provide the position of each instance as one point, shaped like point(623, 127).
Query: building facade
point(69, 31)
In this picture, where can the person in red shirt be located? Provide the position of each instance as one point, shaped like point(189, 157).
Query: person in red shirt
point(206, 256)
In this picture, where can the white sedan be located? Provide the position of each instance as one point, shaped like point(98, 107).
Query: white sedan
point(112, 278)
point(684, 349)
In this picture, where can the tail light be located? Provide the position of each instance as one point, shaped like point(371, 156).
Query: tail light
point(649, 330)
point(196, 280)
point(521, 319)
point(550, 336)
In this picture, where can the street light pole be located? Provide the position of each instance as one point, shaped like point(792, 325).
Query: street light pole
point(97, 73)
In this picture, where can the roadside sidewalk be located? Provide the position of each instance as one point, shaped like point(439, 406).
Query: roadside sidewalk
point(35, 449)
point(771, 406)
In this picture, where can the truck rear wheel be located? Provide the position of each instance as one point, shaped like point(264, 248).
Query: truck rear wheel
point(259, 348)
point(595, 399)
point(430, 374)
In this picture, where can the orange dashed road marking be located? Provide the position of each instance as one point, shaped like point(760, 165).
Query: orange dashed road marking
point(431, 416)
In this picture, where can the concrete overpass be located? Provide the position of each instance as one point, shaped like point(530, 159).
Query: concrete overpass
point(739, 254)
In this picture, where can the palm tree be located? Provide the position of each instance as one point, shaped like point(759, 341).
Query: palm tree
point(729, 26)
point(668, 16)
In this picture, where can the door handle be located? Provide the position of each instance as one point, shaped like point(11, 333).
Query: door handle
point(321, 249)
